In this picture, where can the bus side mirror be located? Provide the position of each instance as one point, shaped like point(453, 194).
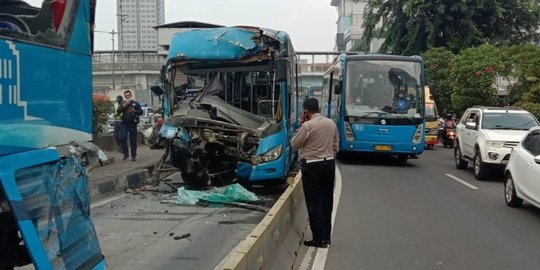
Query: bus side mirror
point(157, 90)
point(338, 88)
point(281, 69)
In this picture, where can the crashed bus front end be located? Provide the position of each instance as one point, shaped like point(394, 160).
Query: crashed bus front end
point(238, 125)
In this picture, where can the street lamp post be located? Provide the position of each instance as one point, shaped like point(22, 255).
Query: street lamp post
point(112, 33)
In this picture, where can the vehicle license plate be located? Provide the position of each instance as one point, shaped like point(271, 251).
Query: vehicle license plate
point(385, 148)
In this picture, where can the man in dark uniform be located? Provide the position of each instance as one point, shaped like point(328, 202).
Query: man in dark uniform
point(130, 111)
point(318, 140)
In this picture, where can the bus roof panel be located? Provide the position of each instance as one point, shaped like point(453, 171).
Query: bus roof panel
point(223, 43)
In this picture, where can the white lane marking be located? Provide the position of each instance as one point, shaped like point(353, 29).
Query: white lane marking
point(322, 253)
point(462, 181)
point(100, 203)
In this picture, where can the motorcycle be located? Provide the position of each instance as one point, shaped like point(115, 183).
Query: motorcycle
point(448, 135)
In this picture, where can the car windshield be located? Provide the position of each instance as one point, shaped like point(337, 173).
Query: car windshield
point(388, 88)
point(516, 121)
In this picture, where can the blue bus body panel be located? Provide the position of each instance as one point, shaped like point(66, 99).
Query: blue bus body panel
point(50, 201)
point(398, 137)
point(222, 44)
point(37, 110)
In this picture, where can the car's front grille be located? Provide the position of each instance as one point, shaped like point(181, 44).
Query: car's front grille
point(510, 144)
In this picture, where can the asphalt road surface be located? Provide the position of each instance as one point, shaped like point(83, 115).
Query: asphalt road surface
point(137, 232)
point(426, 214)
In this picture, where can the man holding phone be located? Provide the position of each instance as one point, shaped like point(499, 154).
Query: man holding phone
point(318, 139)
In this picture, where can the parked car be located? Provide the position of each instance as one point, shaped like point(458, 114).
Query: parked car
point(523, 172)
point(485, 136)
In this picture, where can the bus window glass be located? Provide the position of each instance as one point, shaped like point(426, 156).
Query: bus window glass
point(387, 87)
point(49, 24)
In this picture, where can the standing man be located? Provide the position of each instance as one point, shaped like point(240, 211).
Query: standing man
point(130, 110)
point(118, 123)
point(318, 138)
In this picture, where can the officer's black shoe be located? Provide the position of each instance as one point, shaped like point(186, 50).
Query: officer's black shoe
point(328, 242)
point(314, 243)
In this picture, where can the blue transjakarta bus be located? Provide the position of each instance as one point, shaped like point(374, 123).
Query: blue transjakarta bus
point(377, 102)
point(240, 124)
point(46, 103)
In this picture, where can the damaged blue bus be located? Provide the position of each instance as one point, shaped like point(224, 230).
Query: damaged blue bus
point(45, 106)
point(377, 102)
point(240, 124)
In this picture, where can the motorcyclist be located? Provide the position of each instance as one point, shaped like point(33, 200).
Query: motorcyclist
point(448, 123)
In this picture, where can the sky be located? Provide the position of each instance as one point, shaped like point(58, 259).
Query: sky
point(310, 23)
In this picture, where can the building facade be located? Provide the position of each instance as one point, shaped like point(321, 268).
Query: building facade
point(349, 25)
point(136, 19)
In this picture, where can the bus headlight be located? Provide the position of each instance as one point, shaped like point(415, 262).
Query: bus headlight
point(417, 138)
point(268, 156)
point(349, 135)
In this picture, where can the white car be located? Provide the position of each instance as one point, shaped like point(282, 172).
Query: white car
point(485, 136)
point(523, 172)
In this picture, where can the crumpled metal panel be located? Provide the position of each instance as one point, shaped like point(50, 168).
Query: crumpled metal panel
point(49, 197)
point(216, 44)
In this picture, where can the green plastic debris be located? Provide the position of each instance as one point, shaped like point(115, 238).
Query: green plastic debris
point(230, 193)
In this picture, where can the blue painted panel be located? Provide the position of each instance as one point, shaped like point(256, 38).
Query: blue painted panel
point(219, 44)
point(46, 97)
point(383, 133)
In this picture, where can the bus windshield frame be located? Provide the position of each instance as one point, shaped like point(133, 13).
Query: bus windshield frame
point(384, 89)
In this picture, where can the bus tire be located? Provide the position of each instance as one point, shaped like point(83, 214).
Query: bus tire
point(402, 158)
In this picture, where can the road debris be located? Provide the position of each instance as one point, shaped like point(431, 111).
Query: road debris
point(247, 206)
point(230, 193)
point(185, 235)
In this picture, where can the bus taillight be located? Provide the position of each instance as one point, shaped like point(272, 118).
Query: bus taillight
point(58, 7)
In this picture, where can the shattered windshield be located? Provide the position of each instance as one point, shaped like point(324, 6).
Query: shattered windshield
point(389, 88)
point(248, 99)
point(41, 24)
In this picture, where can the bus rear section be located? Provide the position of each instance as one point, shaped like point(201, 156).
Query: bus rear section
point(381, 105)
point(45, 105)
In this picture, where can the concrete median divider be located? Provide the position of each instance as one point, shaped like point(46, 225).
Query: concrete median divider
point(274, 243)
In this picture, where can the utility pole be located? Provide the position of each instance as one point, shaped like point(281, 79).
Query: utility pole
point(112, 33)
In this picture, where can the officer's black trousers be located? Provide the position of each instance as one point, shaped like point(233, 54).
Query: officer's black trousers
point(318, 182)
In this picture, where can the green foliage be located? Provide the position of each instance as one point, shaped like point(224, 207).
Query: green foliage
point(474, 76)
point(523, 70)
point(412, 26)
point(438, 66)
point(101, 108)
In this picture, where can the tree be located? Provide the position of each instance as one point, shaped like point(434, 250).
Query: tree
point(522, 64)
point(439, 63)
point(474, 76)
point(412, 26)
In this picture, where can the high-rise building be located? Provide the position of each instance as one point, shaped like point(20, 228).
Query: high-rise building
point(349, 25)
point(135, 21)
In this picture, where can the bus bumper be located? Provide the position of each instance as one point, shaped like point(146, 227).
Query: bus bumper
point(383, 147)
point(266, 171)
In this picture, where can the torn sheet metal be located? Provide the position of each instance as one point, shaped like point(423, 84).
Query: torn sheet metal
point(230, 193)
point(222, 44)
point(49, 200)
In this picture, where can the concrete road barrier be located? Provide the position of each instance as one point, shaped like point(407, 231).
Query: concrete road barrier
point(275, 240)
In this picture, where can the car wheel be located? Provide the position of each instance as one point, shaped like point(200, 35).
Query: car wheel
point(461, 164)
point(510, 196)
point(480, 169)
